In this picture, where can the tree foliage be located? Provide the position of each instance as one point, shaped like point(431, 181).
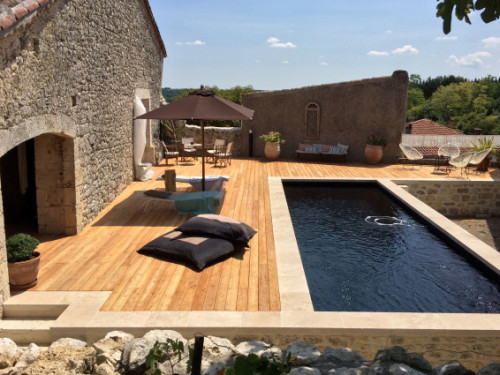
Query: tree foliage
point(490, 11)
point(457, 103)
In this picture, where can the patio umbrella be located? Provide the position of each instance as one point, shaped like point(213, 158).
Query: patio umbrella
point(201, 105)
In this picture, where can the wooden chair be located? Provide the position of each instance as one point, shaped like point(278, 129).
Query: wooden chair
point(224, 157)
point(210, 153)
point(171, 151)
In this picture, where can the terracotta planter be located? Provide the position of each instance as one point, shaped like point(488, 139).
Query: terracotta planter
point(484, 165)
point(24, 275)
point(272, 150)
point(373, 154)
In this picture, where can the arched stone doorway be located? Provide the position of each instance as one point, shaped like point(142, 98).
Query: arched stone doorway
point(39, 174)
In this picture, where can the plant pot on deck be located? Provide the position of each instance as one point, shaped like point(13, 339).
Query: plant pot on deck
point(484, 165)
point(24, 275)
point(373, 154)
point(272, 150)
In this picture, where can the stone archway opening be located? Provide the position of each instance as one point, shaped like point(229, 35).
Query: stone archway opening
point(38, 186)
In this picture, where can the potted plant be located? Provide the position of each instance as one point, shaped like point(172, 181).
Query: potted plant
point(23, 261)
point(374, 149)
point(273, 141)
point(484, 144)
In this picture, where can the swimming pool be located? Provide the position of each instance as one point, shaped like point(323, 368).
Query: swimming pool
point(363, 251)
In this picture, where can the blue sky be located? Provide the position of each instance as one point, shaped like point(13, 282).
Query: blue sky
point(278, 44)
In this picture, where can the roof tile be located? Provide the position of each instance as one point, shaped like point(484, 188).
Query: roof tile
point(31, 5)
point(6, 20)
point(19, 11)
point(428, 127)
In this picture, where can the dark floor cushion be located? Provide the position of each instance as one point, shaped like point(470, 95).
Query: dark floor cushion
point(198, 251)
point(220, 226)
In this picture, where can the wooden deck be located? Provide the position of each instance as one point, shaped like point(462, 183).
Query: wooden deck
point(103, 256)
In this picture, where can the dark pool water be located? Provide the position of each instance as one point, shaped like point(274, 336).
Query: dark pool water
point(355, 260)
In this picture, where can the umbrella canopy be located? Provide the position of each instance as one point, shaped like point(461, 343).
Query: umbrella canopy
point(201, 105)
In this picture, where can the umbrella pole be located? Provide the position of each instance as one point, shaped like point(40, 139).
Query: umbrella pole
point(202, 155)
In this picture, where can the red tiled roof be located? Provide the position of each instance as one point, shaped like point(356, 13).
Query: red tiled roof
point(10, 16)
point(428, 127)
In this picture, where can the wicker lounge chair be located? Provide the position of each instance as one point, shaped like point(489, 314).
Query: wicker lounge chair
point(479, 156)
point(410, 153)
point(461, 161)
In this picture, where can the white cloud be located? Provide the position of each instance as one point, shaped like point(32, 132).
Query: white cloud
point(196, 43)
point(377, 53)
point(323, 63)
point(258, 61)
point(491, 42)
point(408, 49)
point(388, 31)
point(275, 43)
point(470, 60)
point(285, 62)
point(446, 38)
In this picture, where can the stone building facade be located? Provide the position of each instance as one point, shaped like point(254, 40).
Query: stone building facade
point(346, 112)
point(69, 73)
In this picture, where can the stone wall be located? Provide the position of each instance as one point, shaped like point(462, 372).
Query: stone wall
point(348, 113)
point(458, 198)
point(212, 133)
point(121, 352)
point(73, 68)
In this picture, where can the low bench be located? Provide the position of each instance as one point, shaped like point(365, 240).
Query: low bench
point(322, 152)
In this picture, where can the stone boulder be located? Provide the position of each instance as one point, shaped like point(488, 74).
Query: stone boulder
point(64, 360)
point(9, 353)
point(491, 369)
point(303, 370)
point(306, 354)
point(399, 355)
point(452, 368)
point(135, 351)
point(258, 348)
point(363, 370)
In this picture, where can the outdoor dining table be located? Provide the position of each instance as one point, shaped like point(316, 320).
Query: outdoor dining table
point(442, 162)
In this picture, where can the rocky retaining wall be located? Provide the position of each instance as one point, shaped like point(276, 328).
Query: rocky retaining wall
point(121, 353)
point(212, 133)
point(458, 198)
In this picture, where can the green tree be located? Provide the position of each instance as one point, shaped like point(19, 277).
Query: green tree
point(490, 11)
point(233, 94)
point(415, 97)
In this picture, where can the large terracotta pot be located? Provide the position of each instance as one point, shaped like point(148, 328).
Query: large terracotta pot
point(373, 153)
point(272, 150)
point(484, 165)
point(24, 275)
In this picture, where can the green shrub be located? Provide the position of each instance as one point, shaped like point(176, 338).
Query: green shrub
point(21, 247)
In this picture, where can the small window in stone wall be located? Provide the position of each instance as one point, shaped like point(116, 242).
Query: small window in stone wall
point(312, 117)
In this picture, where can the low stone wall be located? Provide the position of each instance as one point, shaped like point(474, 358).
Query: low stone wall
point(119, 352)
point(458, 198)
point(212, 133)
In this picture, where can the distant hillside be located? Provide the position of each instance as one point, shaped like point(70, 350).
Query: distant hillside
point(169, 94)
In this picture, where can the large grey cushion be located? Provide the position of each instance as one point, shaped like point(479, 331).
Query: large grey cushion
point(220, 226)
point(198, 251)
